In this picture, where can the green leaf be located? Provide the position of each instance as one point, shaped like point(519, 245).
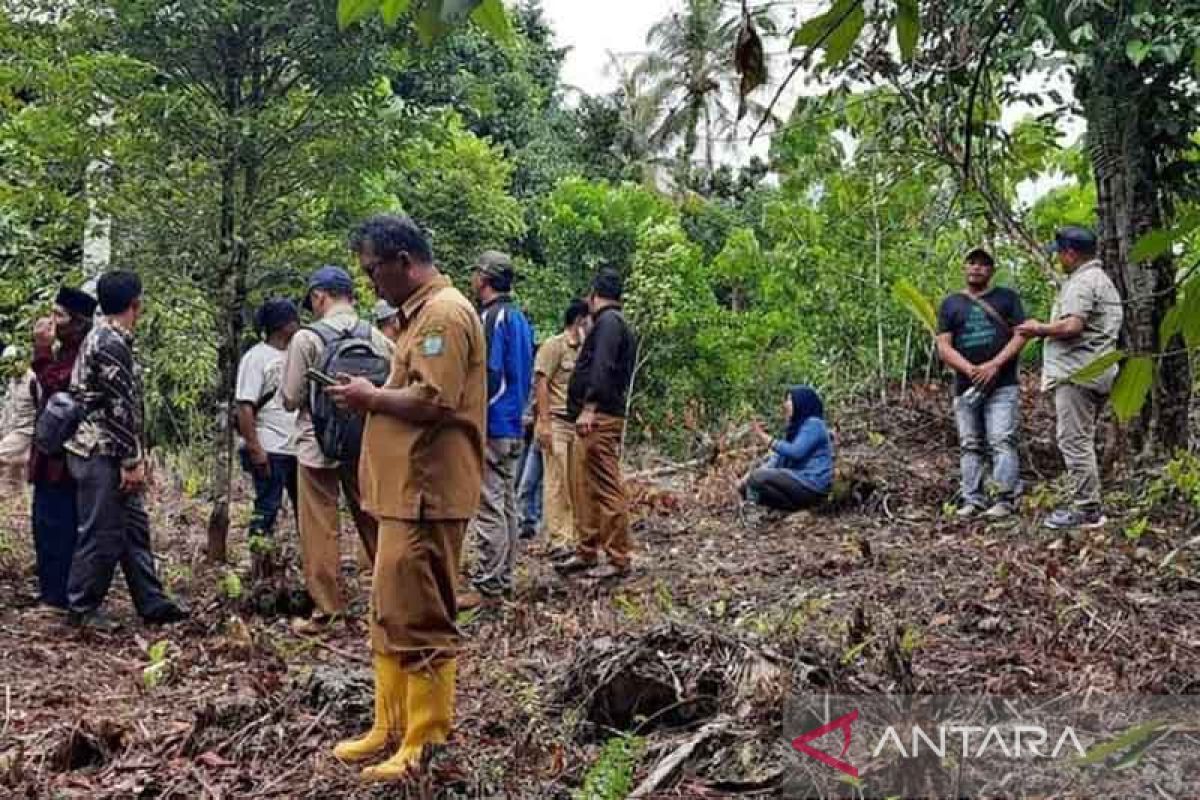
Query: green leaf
point(1151, 245)
point(921, 307)
point(1097, 367)
point(1172, 323)
point(1130, 738)
point(818, 28)
point(490, 16)
point(1136, 51)
point(908, 27)
point(429, 22)
point(841, 41)
point(1189, 313)
point(1133, 387)
point(351, 11)
point(391, 10)
point(454, 10)
point(158, 651)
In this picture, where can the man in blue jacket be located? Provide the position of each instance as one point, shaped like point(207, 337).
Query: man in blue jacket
point(509, 340)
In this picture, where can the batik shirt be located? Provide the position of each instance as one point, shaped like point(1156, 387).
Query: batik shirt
point(107, 382)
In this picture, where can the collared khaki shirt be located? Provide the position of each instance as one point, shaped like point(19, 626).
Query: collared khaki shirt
point(556, 361)
point(1089, 294)
point(412, 471)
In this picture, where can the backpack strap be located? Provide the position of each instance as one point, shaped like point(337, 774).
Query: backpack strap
point(493, 315)
point(990, 310)
point(325, 332)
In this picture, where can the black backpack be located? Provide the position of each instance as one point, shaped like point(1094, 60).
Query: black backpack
point(352, 352)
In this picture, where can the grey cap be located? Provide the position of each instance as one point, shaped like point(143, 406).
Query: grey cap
point(384, 311)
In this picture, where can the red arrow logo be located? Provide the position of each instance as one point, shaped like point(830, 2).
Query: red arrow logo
point(800, 743)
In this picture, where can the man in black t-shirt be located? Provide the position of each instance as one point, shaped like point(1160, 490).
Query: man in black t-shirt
point(977, 338)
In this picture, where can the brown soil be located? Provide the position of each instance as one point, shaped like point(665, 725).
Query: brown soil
point(722, 621)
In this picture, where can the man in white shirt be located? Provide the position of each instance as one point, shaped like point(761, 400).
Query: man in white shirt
point(266, 427)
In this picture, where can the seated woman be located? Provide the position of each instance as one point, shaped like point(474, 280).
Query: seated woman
point(799, 472)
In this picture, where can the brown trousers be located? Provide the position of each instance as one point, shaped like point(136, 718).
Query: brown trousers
point(319, 531)
point(557, 506)
point(601, 506)
point(413, 600)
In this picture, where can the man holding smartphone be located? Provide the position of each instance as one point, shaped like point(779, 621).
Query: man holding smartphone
point(421, 473)
point(321, 479)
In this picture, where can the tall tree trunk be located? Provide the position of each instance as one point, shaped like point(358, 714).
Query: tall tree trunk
point(1131, 202)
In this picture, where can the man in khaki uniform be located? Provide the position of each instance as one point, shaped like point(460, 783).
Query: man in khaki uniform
point(554, 430)
point(421, 474)
point(330, 297)
point(1087, 319)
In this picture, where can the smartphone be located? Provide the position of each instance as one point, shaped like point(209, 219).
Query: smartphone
point(316, 376)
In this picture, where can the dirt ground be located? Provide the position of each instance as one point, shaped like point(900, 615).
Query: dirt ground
point(724, 619)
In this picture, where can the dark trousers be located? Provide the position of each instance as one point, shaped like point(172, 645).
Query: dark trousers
point(777, 489)
point(269, 489)
point(113, 529)
point(54, 534)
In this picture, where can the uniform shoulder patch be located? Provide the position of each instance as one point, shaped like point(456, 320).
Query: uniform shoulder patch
point(433, 342)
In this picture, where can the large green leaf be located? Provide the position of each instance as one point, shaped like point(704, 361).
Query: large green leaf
point(351, 11)
point(916, 302)
point(908, 27)
point(1133, 387)
point(452, 11)
point(1189, 313)
point(490, 16)
point(819, 30)
point(391, 10)
point(1172, 324)
point(428, 21)
point(1130, 738)
point(1097, 367)
point(841, 41)
point(1152, 245)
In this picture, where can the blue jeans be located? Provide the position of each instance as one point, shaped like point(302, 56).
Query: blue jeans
point(529, 493)
point(268, 491)
point(987, 431)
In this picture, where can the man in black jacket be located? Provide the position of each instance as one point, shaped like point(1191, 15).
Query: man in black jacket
point(596, 402)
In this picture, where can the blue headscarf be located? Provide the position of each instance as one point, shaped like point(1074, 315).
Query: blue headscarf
point(806, 403)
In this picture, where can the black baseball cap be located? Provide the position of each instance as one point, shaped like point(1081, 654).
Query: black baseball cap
point(1072, 237)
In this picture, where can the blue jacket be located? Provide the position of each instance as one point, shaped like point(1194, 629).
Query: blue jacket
point(808, 457)
point(509, 368)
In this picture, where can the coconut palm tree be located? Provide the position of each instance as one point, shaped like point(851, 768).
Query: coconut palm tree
point(692, 66)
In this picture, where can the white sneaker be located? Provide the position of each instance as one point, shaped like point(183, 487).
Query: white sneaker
point(967, 511)
point(1001, 510)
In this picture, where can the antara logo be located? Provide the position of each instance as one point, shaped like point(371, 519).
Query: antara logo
point(800, 743)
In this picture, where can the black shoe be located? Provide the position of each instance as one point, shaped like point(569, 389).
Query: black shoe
point(166, 615)
point(93, 621)
point(573, 565)
point(527, 533)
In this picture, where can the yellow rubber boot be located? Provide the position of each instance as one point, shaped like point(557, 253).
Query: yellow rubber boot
point(390, 690)
point(430, 705)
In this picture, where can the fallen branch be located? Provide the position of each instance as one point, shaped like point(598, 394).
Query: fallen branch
point(695, 463)
point(666, 768)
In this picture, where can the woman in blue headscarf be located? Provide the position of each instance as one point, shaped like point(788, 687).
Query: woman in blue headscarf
point(799, 472)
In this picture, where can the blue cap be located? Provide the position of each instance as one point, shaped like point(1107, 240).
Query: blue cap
point(328, 277)
point(1072, 237)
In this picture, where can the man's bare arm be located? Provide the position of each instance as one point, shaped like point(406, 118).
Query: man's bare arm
point(952, 357)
